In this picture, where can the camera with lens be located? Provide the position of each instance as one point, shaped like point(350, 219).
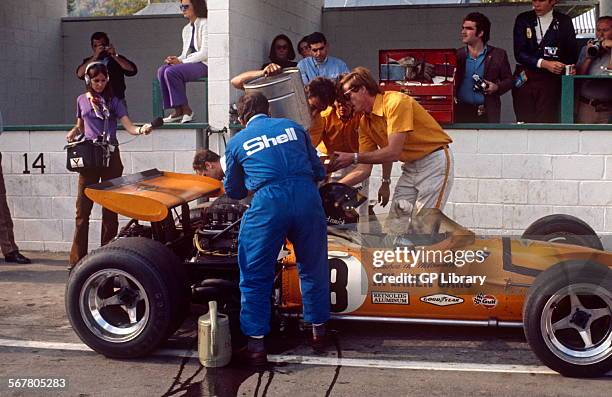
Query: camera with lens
point(595, 48)
point(479, 84)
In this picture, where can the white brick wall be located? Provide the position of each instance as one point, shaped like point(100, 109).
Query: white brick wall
point(493, 192)
point(505, 180)
point(43, 205)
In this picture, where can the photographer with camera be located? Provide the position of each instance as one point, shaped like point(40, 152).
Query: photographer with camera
point(118, 66)
point(483, 73)
point(595, 96)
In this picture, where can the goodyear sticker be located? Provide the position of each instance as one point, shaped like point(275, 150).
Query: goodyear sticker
point(441, 300)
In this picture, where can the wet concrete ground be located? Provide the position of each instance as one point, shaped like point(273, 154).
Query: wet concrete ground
point(32, 309)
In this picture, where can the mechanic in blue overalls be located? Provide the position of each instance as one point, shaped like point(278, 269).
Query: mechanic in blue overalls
point(274, 159)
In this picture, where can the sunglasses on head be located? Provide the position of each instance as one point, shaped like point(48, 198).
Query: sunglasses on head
point(184, 7)
point(347, 93)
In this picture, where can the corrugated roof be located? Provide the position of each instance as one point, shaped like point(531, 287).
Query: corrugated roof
point(160, 9)
point(584, 24)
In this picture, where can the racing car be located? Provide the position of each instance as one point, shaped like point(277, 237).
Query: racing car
point(128, 297)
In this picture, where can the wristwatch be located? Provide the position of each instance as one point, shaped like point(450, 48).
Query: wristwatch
point(355, 158)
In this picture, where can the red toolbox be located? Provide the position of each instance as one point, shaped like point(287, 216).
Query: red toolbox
point(424, 74)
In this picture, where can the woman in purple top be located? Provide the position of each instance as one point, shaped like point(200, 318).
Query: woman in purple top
point(189, 66)
point(97, 110)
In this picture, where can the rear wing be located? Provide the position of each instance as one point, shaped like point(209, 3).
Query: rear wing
point(149, 195)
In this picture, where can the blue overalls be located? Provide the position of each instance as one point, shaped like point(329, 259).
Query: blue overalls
point(275, 159)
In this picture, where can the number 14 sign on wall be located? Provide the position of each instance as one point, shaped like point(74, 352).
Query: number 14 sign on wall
point(39, 163)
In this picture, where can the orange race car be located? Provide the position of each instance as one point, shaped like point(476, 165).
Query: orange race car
point(125, 299)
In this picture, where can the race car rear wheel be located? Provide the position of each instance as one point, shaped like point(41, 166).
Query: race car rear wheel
point(562, 228)
point(175, 274)
point(122, 302)
point(567, 319)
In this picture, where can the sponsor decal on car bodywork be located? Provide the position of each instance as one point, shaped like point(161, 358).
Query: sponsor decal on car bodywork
point(441, 299)
point(390, 298)
point(488, 301)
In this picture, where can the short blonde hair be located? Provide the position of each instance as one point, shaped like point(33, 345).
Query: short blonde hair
point(361, 77)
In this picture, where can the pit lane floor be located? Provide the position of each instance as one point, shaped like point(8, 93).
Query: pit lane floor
point(36, 340)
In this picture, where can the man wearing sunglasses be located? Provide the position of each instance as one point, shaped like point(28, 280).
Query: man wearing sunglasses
point(320, 64)
point(335, 128)
point(396, 128)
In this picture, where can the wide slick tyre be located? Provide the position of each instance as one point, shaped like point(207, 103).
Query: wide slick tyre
point(174, 271)
point(567, 319)
point(565, 229)
point(120, 302)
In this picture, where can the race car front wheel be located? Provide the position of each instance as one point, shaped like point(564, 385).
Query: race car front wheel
point(565, 229)
point(567, 319)
point(123, 303)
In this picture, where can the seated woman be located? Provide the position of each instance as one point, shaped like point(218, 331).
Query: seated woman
point(281, 52)
point(189, 66)
point(97, 114)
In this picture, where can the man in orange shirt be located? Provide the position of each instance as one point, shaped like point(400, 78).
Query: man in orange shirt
point(336, 129)
point(396, 128)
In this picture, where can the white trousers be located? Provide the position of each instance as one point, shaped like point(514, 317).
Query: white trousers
point(424, 183)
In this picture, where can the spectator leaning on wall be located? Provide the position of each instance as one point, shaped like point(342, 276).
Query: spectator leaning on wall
point(304, 48)
point(281, 52)
point(477, 102)
point(320, 64)
point(595, 98)
point(7, 238)
point(118, 66)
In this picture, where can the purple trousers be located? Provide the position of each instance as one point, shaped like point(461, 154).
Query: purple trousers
point(173, 79)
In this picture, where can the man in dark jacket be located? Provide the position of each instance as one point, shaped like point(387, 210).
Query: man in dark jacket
point(480, 103)
point(544, 43)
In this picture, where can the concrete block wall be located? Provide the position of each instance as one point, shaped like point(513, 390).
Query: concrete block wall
point(357, 34)
point(43, 205)
point(31, 61)
point(505, 180)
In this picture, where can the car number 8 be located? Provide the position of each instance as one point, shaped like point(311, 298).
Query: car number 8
point(348, 286)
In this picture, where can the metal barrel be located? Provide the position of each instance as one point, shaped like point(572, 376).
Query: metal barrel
point(285, 92)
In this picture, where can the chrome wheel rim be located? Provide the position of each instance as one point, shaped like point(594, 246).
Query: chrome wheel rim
point(114, 305)
point(576, 324)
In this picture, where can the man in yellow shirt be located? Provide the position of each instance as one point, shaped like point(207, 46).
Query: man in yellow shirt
point(396, 128)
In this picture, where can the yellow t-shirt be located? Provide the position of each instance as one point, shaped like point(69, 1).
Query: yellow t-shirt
point(330, 132)
point(395, 112)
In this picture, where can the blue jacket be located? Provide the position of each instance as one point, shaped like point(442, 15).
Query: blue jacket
point(269, 150)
